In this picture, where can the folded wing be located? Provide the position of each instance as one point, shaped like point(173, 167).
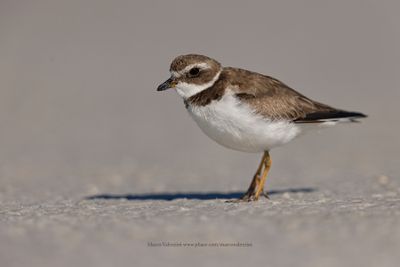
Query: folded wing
point(273, 99)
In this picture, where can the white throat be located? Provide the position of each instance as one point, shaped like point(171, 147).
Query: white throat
point(186, 90)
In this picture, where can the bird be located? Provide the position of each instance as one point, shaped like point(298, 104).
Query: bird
point(247, 111)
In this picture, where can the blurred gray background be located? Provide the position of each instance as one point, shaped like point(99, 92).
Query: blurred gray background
point(80, 115)
point(78, 79)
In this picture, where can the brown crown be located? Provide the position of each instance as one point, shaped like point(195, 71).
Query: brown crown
point(180, 62)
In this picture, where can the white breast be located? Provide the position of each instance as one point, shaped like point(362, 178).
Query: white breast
point(234, 125)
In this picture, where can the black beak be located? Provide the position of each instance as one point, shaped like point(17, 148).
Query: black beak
point(166, 85)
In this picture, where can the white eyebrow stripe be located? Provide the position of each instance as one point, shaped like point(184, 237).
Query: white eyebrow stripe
point(202, 66)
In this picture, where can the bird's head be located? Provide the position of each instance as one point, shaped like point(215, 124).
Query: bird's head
point(191, 74)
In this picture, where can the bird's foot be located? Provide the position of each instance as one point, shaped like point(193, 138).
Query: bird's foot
point(248, 197)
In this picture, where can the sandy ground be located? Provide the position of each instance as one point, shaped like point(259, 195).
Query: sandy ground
point(332, 226)
point(99, 169)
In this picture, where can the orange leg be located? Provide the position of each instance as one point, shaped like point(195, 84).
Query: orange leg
point(256, 179)
point(267, 167)
point(257, 184)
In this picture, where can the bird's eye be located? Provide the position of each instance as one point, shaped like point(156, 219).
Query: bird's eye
point(193, 72)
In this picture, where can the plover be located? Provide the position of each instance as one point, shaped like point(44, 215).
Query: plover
point(247, 111)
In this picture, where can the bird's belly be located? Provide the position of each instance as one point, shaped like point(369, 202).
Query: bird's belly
point(235, 126)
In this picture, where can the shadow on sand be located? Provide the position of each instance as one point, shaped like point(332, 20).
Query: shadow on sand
point(194, 195)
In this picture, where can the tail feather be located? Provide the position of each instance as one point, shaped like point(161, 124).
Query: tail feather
point(331, 116)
